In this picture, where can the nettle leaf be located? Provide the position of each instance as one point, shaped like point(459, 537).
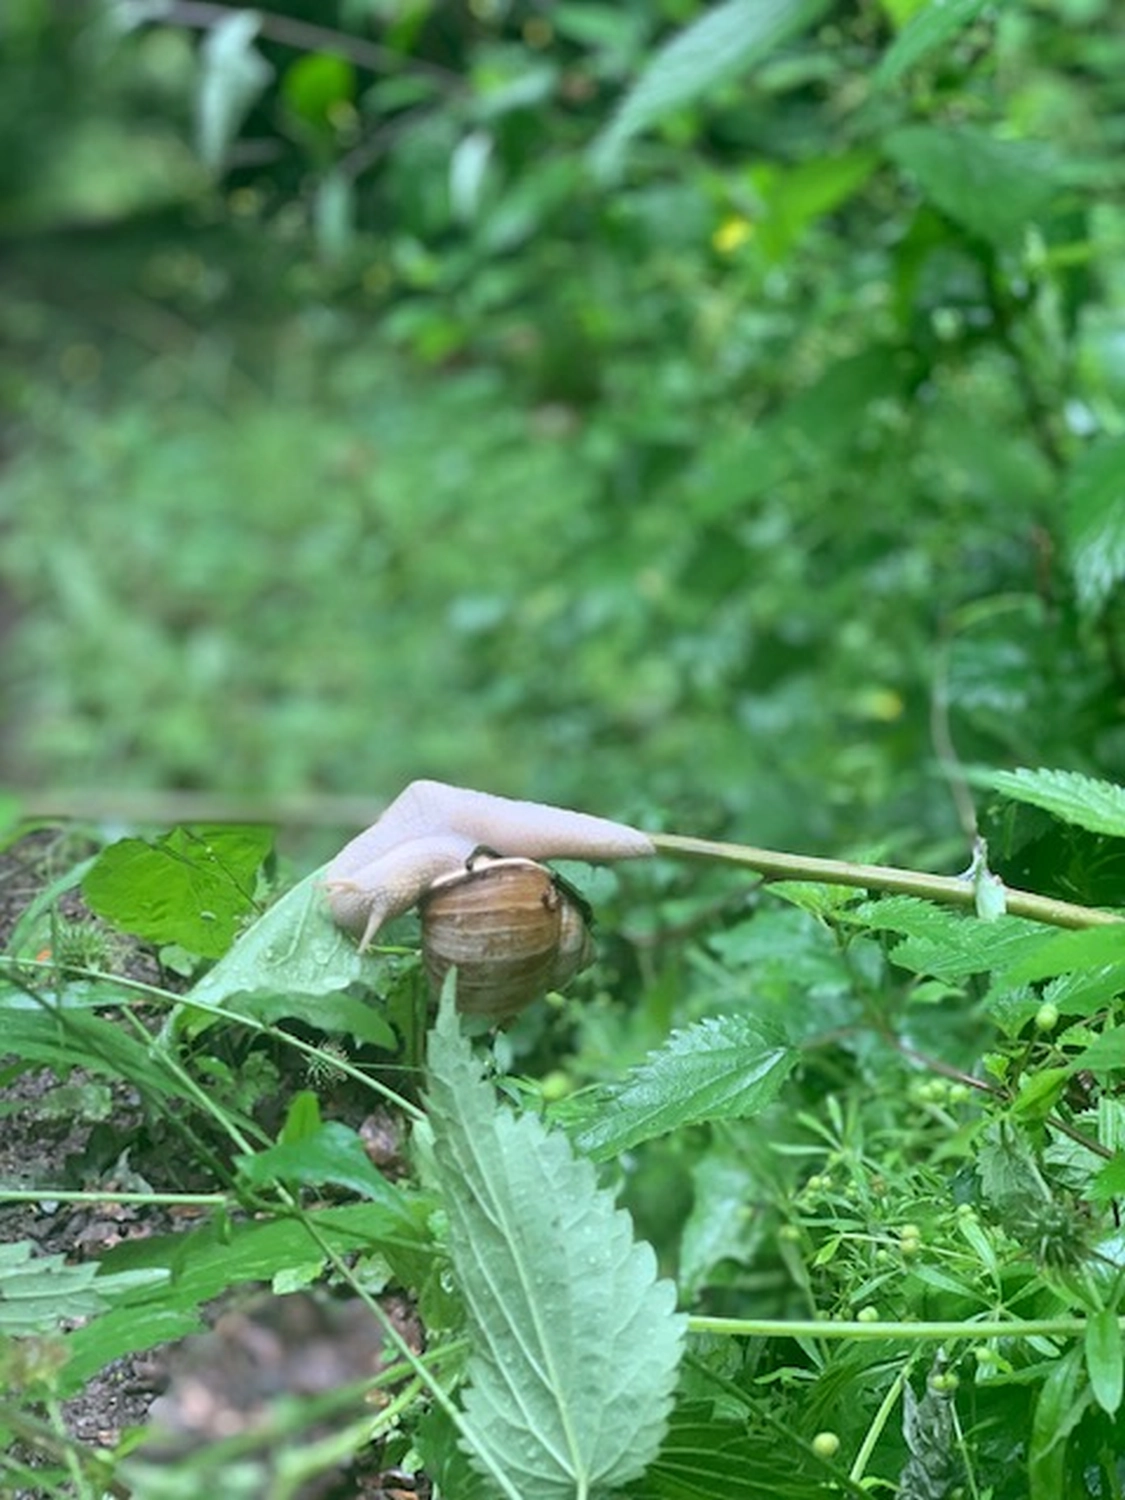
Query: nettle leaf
point(724, 41)
point(706, 1454)
point(935, 25)
point(293, 950)
point(1096, 805)
point(992, 187)
point(576, 1343)
point(950, 945)
point(38, 1291)
point(722, 1068)
point(193, 886)
point(1095, 493)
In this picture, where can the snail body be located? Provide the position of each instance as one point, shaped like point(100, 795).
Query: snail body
point(511, 930)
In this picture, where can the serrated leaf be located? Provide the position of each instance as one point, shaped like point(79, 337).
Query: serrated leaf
point(233, 75)
point(1095, 493)
point(1105, 1359)
point(193, 886)
point(706, 1455)
point(935, 25)
point(992, 187)
point(576, 1344)
point(723, 1068)
point(38, 1291)
point(1083, 800)
point(294, 949)
point(950, 945)
point(724, 41)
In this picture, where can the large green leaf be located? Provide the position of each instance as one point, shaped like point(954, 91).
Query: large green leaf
point(193, 886)
point(294, 949)
point(724, 41)
point(723, 1068)
point(1096, 805)
point(994, 188)
point(1095, 528)
point(576, 1344)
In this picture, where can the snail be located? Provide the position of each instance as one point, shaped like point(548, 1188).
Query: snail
point(511, 928)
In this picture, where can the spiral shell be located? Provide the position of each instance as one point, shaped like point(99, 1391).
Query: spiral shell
point(512, 931)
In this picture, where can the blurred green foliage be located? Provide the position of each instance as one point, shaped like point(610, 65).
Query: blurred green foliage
point(630, 405)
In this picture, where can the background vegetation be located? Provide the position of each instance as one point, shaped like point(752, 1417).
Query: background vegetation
point(709, 416)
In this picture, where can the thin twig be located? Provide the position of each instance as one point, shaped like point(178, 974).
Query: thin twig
point(952, 890)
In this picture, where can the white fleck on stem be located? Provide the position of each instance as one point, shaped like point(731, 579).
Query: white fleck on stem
point(431, 829)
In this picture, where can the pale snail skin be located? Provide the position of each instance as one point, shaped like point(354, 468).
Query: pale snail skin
point(432, 829)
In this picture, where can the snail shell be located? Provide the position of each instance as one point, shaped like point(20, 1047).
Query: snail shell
point(510, 928)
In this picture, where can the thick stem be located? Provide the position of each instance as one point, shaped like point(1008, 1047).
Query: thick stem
point(953, 890)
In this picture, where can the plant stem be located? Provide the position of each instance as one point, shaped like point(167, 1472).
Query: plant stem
point(953, 890)
point(814, 1328)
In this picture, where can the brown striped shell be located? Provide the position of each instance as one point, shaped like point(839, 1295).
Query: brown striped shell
point(512, 931)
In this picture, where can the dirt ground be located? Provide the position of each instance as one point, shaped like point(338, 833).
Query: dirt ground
point(259, 1345)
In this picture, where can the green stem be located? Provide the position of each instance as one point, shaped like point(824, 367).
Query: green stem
point(953, 890)
point(812, 1328)
point(40, 1195)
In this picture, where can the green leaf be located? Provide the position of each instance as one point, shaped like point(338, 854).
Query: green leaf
point(73, 1038)
point(1105, 1054)
point(193, 886)
point(1096, 805)
point(723, 1068)
point(724, 41)
point(293, 950)
point(707, 1454)
point(935, 25)
point(38, 1292)
point(994, 188)
point(576, 1344)
point(1109, 1183)
point(316, 84)
point(1089, 951)
point(949, 945)
point(234, 74)
point(204, 1262)
point(1095, 494)
point(1105, 1359)
point(1063, 1400)
point(333, 1154)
